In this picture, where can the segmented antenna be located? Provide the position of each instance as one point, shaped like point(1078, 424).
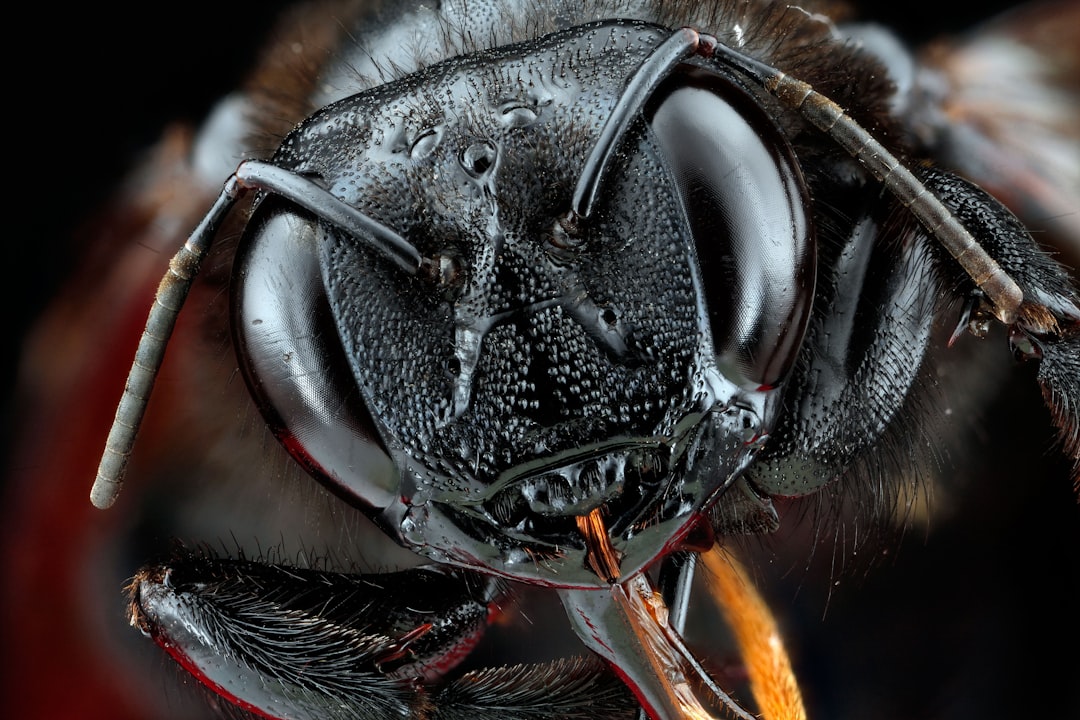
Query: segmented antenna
point(831, 119)
point(174, 287)
point(827, 116)
point(171, 293)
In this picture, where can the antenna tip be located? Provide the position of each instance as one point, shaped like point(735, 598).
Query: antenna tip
point(104, 492)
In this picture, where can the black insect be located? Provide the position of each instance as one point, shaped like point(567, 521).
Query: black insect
point(564, 296)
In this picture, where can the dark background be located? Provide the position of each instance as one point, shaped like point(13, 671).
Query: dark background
point(94, 92)
point(98, 84)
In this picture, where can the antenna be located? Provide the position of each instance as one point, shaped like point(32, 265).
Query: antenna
point(831, 119)
point(174, 287)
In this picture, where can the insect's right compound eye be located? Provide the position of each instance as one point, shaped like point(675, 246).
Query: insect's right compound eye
point(746, 204)
point(293, 362)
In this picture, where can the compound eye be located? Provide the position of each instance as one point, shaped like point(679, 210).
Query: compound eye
point(293, 361)
point(746, 205)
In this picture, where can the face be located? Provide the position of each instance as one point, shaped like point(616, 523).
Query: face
point(556, 370)
point(621, 368)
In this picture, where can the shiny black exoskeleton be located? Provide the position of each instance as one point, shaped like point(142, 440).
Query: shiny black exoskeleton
point(596, 268)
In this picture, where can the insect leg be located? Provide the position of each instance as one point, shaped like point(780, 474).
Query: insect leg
point(298, 642)
point(286, 642)
point(1047, 328)
point(575, 688)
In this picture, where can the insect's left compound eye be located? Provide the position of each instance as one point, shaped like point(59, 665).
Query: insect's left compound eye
point(746, 205)
point(292, 359)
